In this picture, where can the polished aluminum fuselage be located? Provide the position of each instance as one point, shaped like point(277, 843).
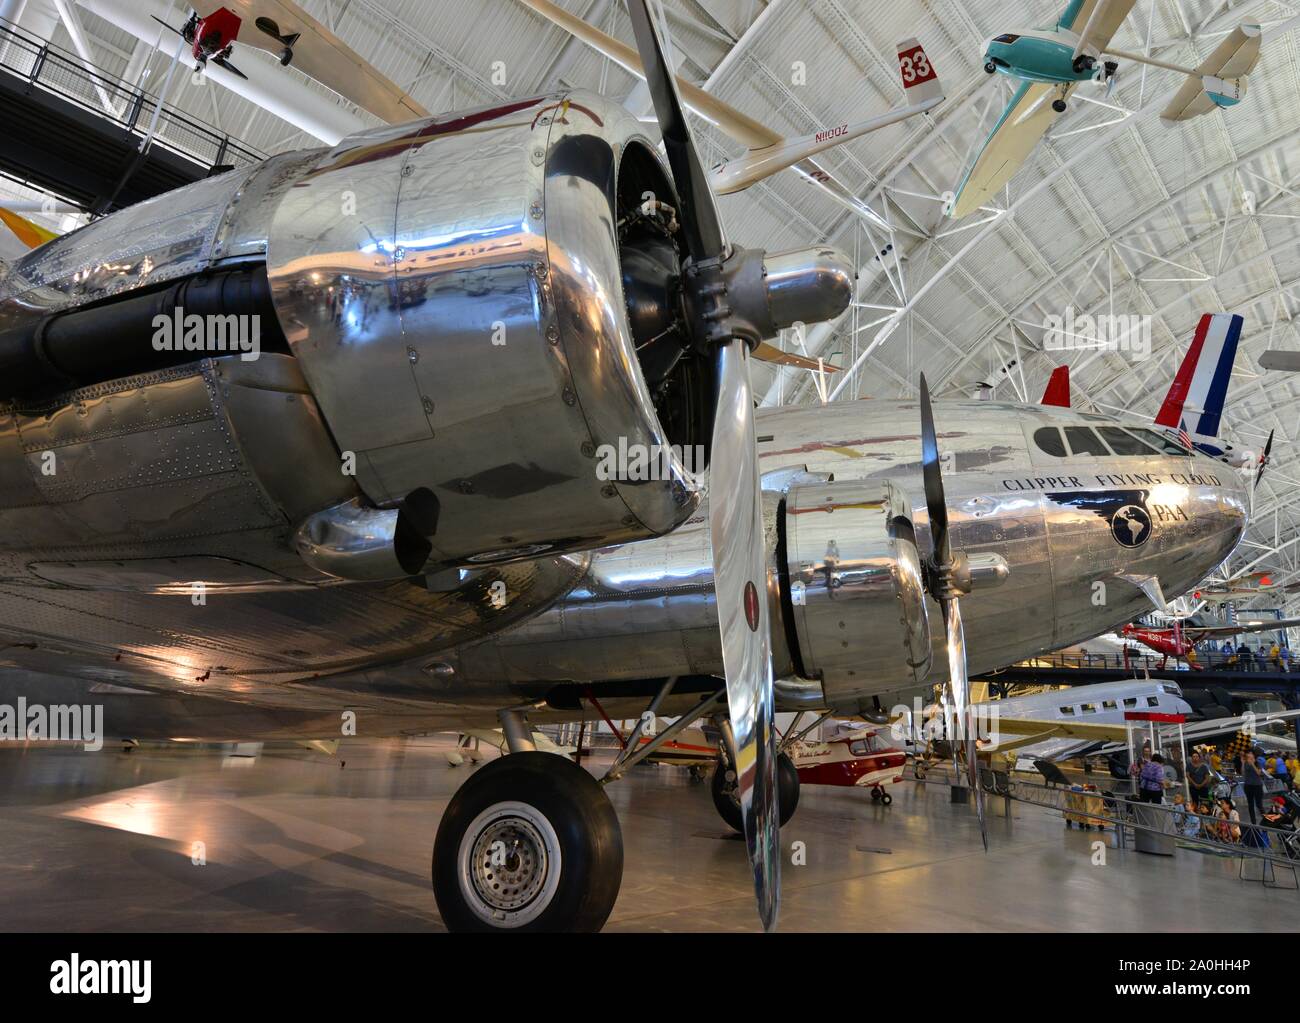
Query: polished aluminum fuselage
point(408, 657)
point(646, 609)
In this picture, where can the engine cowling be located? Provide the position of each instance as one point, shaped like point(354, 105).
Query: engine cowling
point(453, 290)
point(856, 597)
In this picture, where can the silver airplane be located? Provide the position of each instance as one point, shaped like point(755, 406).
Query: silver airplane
point(332, 445)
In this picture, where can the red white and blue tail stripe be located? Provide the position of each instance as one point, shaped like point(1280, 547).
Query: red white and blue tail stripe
point(1194, 404)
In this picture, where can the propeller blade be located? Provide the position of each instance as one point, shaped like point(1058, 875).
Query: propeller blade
point(934, 500)
point(1263, 459)
point(956, 643)
point(699, 214)
point(958, 679)
point(223, 63)
point(167, 26)
point(740, 574)
point(735, 502)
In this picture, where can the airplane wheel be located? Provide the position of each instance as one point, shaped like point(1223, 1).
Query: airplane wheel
point(728, 803)
point(876, 794)
point(529, 843)
point(886, 799)
point(990, 68)
point(1058, 105)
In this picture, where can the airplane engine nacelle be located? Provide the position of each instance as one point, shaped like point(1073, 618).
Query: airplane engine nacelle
point(856, 593)
point(454, 291)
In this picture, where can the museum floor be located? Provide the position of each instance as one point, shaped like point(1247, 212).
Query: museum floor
point(292, 841)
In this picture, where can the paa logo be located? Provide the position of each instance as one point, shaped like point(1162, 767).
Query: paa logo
point(1131, 525)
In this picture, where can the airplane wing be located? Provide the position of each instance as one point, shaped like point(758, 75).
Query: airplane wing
point(1234, 58)
point(1026, 119)
point(1219, 726)
point(771, 354)
point(1265, 625)
point(740, 127)
point(319, 54)
point(1045, 728)
point(1097, 21)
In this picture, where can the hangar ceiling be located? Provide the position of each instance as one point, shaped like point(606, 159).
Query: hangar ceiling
point(1116, 211)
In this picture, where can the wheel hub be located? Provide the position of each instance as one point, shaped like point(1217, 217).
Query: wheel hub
point(509, 864)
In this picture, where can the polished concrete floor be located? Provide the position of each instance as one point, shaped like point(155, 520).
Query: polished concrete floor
point(188, 839)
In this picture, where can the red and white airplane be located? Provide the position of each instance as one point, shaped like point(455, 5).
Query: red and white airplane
point(859, 758)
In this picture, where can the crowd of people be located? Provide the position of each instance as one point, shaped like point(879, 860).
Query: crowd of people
point(1247, 658)
point(1208, 809)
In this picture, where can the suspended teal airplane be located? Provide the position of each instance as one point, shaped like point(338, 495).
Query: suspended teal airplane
point(1050, 62)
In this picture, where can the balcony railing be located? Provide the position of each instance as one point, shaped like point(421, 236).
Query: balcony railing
point(65, 75)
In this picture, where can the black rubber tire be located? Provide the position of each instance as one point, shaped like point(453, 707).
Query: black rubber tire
point(1058, 105)
point(990, 68)
point(584, 823)
point(886, 799)
point(876, 794)
point(787, 786)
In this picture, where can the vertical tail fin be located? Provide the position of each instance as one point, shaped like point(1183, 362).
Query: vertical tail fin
point(1058, 388)
point(1195, 399)
point(920, 80)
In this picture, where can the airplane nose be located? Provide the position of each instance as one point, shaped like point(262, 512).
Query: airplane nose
point(1218, 503)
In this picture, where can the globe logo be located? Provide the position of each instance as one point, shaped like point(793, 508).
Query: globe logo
point(1131, 525)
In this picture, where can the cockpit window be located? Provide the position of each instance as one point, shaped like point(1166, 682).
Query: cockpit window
point(1006, 38)
point(1048, 441)
point(1166, 442)
point(1172, 690)
point(1083, 441)
point(1124, 443)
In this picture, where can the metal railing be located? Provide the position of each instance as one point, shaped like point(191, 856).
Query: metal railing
point(1276, 846)
point(65, 75)
point(1205, 660)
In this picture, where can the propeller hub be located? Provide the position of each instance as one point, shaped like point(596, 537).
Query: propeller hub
point(753, 296)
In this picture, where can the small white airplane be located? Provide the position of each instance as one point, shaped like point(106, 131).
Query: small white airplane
point(1063, 723)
